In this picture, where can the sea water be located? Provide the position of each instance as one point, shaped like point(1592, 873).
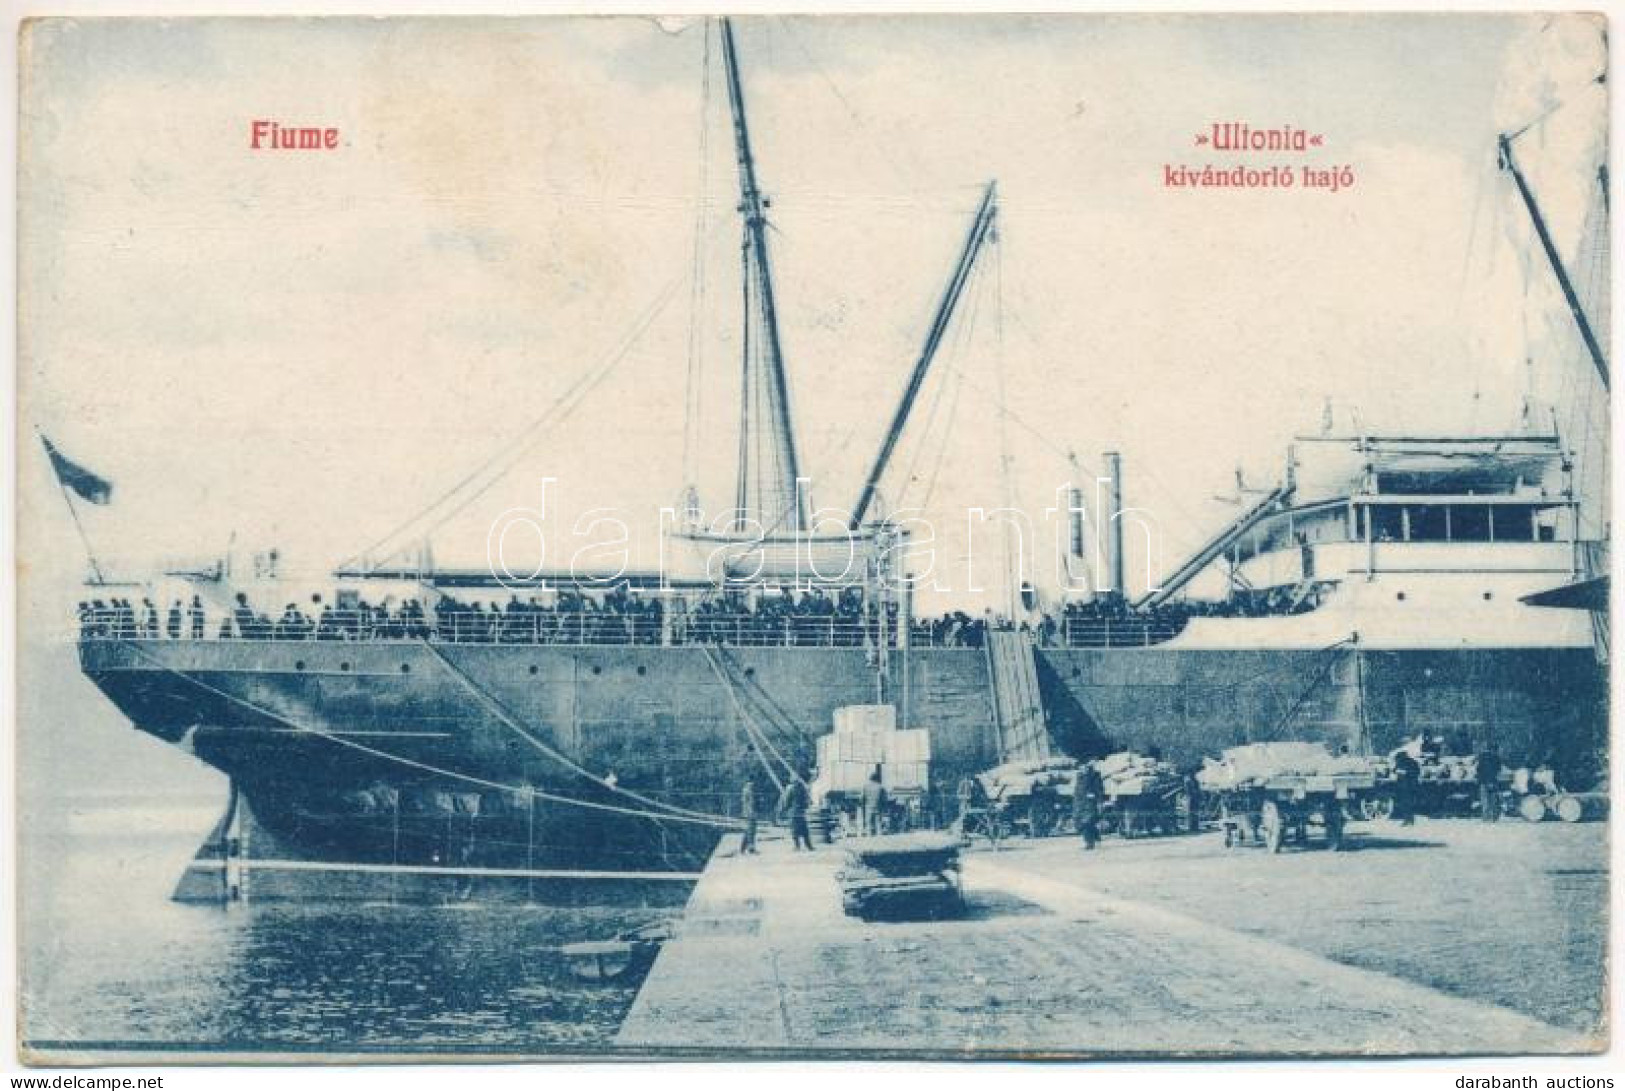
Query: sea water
point(110, 962)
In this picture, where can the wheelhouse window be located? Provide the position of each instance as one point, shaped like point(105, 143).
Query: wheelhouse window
point(1520, 523)
point(1427, 523)
point(1387, 523)
point(1470, 523)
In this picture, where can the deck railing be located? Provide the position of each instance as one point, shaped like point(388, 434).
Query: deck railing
point(609, 627)
point(1119, 632)
point(494, 627)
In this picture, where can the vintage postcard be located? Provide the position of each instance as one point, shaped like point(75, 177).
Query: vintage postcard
point(924, 536)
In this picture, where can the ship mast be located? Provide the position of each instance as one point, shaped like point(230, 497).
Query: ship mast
point(768, 465)
point(980, 231)
point(1510, 165)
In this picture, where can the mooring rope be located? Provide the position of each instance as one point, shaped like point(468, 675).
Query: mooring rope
point(467, 778)
point(497, 709)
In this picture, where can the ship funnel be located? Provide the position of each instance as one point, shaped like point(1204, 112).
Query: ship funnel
point(1114, 525)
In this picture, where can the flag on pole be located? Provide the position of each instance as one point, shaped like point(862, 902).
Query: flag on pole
point(89, 485)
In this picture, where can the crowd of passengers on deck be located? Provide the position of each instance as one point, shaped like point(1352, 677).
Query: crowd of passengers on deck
point(616, 616)
point(839, 618)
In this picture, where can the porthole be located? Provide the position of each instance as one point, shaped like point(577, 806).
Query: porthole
point(298, 664)
point(1488, 595)
point(1400, 596)
point(750, 672)
point(534, 669)
point(406, 668)
point(598, 670)
point(344, 666)
point(642, 671)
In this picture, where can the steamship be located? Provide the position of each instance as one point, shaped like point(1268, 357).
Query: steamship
point(1386, 585)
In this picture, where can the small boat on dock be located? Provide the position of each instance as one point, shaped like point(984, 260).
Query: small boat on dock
point(611, 959)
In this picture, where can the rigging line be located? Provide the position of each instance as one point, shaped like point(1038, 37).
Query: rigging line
point(450, 774)
point(523, 441)
point(943, 448)
point(568, 406)
point(932, 414)
point(958, 337)
point(746, 459)
point(780, 720)
point(1314, 683)
point(1279, 670)
point(1066, 453)
point(788, 26)
point(783, 726)
point(1478, 359)
point(788, 737)
point(696, 314)
point(1540, 119)
point(1012, 564)
point(956, 378)
point(720, 665)
point(965, 335)
point(496, 708)
point(757, 740)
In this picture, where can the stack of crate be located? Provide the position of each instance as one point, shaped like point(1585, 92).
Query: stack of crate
point(867, 736)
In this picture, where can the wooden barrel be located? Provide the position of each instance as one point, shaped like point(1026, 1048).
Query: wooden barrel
point(1533, 808)
point(1581, 807)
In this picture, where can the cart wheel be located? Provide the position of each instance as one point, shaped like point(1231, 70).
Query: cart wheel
point(1274, 825)
point(1375, 807)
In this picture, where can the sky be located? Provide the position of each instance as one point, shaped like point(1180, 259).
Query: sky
point(305, 349)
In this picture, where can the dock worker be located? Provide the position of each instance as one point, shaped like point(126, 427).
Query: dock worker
point(1407, 775)
point(747, 811)
point(1489, 784)
point(1193, 803)
point(874, 803)
point(1087, 795)
point(793, 802)
point(965, 793)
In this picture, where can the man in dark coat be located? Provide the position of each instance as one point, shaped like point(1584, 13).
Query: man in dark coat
point(794, 802)
point(1407, 775)
point(1087, 795)
point(1489, 784)
point(747, 811)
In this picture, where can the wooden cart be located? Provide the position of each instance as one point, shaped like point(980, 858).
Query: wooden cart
point(1287, 806)
point(909, 875)
point(1164, 807)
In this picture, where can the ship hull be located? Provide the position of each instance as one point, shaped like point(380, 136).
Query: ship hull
point(474, 758)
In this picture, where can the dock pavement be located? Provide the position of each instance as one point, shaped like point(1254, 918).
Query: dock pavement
point(1041, 965)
